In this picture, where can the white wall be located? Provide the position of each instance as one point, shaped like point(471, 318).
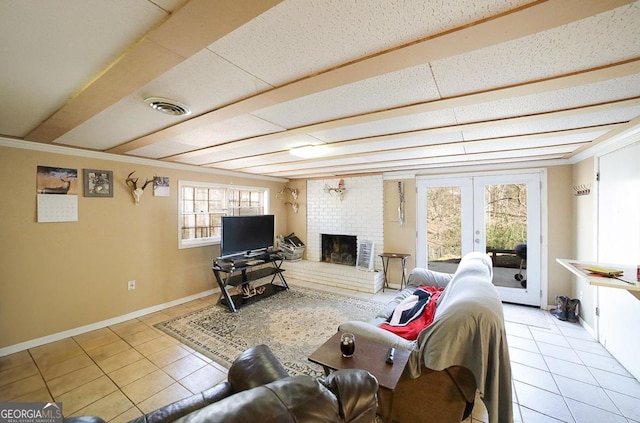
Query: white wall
point(619, 242)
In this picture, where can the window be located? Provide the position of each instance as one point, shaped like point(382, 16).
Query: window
point(202, 205)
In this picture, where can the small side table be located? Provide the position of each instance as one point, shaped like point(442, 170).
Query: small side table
point(385, 267)
point(369, 355)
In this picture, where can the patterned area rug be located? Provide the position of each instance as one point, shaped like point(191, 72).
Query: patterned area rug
point(292, 323)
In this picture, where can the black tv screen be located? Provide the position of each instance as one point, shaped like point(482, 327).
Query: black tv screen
point(244, 234)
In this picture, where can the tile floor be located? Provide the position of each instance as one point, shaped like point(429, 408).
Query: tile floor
point(560, 374)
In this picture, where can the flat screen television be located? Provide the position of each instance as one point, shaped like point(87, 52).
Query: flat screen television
point(246, 235)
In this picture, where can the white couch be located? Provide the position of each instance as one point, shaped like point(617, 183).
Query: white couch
point(465, 347)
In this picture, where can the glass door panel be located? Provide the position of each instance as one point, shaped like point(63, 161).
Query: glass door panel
point(497, 215)
point(505, 225)
point(444, 228)
point(447, 212)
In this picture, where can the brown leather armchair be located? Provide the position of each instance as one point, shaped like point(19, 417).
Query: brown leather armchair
point(258, 388)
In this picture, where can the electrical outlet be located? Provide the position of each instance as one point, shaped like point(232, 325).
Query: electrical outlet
point(580, 296)
point(131, 285)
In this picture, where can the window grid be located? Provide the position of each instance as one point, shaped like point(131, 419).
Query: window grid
point(202, 208)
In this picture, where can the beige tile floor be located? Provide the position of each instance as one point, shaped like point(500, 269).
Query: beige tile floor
point(117, 373)
point(122, 371)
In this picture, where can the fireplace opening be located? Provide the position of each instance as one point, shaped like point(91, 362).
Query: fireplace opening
point(339, 249)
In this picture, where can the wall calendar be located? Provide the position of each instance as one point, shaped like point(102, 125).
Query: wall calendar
point(57, 191)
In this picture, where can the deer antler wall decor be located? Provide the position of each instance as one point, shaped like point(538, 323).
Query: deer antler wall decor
point(293, 191)
point(340, 189)
point(133, 185)
point(293, 205)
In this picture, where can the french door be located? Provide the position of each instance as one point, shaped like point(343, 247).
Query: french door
point(498, 215)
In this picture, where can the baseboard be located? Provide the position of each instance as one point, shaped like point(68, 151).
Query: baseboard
point(11, 349)
point(589, 329)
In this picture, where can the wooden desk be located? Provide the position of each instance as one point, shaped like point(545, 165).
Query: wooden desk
point(577, 268)
point(369, 355)
point(385, 267)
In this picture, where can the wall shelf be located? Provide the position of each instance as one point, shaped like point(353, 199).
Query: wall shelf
point(577, 268)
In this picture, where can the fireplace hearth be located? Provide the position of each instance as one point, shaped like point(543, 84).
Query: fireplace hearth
point(339, 249)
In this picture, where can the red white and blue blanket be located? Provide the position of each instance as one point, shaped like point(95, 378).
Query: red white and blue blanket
point(414, 313)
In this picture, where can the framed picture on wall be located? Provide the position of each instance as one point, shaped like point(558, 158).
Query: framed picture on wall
point(161, 186)
point(98, 183)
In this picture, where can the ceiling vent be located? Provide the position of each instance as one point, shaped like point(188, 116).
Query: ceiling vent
point(166, 106)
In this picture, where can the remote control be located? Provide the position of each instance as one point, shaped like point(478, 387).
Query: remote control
point(390, 355)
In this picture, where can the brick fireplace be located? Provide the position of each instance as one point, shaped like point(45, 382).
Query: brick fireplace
point(359, 214)
point(339, 249)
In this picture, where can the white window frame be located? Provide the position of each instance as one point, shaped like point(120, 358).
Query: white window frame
point(214, 240)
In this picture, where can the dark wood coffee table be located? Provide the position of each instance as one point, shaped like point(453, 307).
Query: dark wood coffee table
point(369, 355)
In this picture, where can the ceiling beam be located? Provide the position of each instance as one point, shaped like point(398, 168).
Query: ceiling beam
point(552, 84)
point(457, 161)
point(530, 19)
point(629, 131)
point(424, 151)
point(189, 30)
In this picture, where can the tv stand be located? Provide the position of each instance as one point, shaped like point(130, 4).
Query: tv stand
point(235, 274)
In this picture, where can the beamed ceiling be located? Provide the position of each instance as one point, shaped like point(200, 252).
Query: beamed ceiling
point(384, 85)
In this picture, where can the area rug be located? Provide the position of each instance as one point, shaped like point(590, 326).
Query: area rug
point(293, 323)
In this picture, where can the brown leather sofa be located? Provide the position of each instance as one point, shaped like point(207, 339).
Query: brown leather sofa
point(260, 389)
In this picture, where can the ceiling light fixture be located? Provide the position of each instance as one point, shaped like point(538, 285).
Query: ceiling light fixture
point(309, 151)
point(168, 107)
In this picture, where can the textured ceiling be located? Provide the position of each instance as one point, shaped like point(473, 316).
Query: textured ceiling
point(386, 85)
